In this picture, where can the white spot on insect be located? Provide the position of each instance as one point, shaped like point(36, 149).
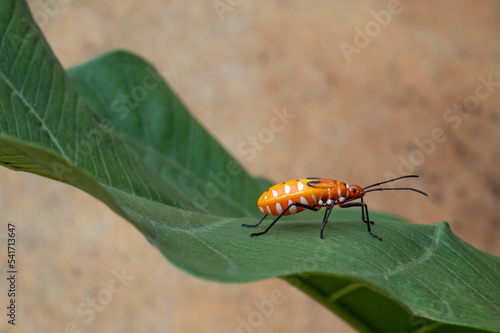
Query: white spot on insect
point(275, 193)
point(269, 210)
point(304, 201)
point(287, 188)
point(278, 208)
point(314, 198)
point(347, 195)
point(338, 191)
point(265, 197)
point(342, 199)
point(293, 209)
point(329, 201)
point(320, 202)
point(300, 186)
point(261, 209)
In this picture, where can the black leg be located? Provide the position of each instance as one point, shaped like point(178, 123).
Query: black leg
point(325, 218)
point(298, 204)
point(254, 225)
point(364, 210)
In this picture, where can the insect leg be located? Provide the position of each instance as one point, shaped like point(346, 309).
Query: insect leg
point(325, 218)
point(298, 204)
point(254, 225)
point(364, 210)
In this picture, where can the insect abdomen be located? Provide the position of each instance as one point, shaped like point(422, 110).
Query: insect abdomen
point(276, 199)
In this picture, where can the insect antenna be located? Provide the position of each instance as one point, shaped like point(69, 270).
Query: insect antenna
point(391, 180)
point(397, 189)
point(394, 188)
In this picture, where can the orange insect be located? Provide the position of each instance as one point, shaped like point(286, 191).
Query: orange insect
point(313, 193)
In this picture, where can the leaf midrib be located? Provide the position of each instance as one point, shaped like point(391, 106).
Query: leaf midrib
point(44, 126)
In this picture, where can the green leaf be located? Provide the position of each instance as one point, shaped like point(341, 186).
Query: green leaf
point(114, 129)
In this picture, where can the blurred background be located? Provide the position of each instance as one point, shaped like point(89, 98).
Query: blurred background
point(353, 90)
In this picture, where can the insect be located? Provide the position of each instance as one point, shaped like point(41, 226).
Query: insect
point(313, 193)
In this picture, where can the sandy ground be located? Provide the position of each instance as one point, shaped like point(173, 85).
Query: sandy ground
point(375, 88)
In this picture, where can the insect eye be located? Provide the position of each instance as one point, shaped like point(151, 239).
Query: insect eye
point(353, 190)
